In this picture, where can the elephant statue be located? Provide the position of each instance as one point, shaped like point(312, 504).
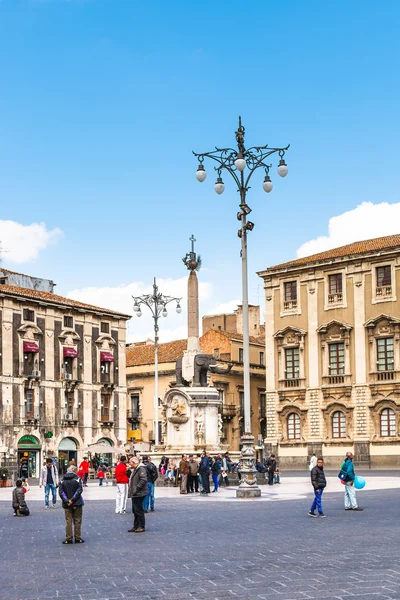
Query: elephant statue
point(202, 364)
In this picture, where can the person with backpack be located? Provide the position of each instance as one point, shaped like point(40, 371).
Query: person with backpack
point(347, 475)
point(152, 476)
point(318, 481)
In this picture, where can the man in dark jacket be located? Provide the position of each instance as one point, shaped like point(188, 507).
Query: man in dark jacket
point(204, 470)
point(137, 490)
point(152, 476)
point(70, 492)
point(318, 481)
point(270, 464)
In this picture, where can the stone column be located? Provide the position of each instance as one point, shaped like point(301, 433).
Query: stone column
point(193, 312)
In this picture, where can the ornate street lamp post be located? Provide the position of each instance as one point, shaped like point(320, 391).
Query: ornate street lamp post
point(157, 303)
point(241, 164)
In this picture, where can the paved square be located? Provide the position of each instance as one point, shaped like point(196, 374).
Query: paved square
point(195, 549)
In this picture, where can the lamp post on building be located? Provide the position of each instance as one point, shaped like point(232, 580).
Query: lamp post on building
point(241, 164)
point(157, 303)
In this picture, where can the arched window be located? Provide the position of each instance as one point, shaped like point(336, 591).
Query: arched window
point(338, 424)
point(293, 425)
point(388, 422)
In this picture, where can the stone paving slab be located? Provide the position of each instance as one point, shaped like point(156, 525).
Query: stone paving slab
point(211, 550)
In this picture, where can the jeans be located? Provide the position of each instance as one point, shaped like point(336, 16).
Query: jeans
point(85, 478)
point(73, 515)
point(100, 480)
point(215, 480)
point(169, 474)
point(47, 488)
point(149, 499)
point(350, 500)
point(137, 509)
point(205, 482)
point(317, 501)
point(122, 497)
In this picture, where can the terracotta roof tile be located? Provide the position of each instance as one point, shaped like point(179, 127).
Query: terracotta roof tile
point(144, 355)
point(37, 295)
point(357, 248)
point(139, 354)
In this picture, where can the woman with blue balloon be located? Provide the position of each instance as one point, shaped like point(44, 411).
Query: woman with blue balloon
point(351, 483)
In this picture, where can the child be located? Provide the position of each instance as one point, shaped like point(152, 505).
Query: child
point(18, 498)
point(277, 475)
point(101, 474)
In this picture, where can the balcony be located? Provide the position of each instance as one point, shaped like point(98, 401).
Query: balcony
point(228, 411)
point(70, 416)
point(335, 298)
point(384, 291)
point(291, 383)
point(133, 415)
point(336, 380)
point(290, 305)
point(30, 371)
point(30, 414)
point(106, 417)
point(385, 376)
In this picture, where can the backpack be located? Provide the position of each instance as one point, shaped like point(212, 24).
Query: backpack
point(343, 476)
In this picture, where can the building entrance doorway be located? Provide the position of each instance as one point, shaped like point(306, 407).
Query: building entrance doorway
point(29, 457)
point(67, 452)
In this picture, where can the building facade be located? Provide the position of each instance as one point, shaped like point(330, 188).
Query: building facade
point(333, 355)
point(226, 347)
point(62, 376)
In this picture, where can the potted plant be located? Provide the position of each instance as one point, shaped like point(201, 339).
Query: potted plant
point(4, 477)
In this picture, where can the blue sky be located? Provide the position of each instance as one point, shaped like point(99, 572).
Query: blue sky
point(102, 102)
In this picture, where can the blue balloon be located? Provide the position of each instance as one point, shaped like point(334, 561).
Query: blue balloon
point(359, 482)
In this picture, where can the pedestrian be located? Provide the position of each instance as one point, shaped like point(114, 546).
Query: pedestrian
point(277, 476)
point(152, 476)
point(49, 478)
point(271, 466)
point(193, 477)
point(318, 481)
point(137, 490)
point(170, 472)
point(101, 475)
point(228, 462)
point(313, 462)
point(350, 499)
point(215, 472)
point(163, 465)
point(85, 468)
point(184, 470)
point(204, 471)
point(71, 463)
point(18, 499)
point(122, 480)
point(107, 474)
point(70, 492)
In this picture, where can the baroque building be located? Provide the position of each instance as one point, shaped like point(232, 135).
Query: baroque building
point(333, 355)
point(226, 347)
point(62, 375)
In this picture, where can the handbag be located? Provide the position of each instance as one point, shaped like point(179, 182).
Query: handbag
point(343, 476)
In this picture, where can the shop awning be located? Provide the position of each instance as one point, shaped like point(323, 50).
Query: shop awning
point(106, 357)
point(31, 347)
point(71, 352)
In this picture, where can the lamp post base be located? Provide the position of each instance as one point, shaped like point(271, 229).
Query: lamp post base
point(248, 487)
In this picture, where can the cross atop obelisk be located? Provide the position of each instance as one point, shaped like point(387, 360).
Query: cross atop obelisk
point(193, 262)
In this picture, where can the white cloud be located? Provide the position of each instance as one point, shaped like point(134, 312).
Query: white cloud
point(368, 220)
point(225, 307)
point(119, 298)
point(22, 243)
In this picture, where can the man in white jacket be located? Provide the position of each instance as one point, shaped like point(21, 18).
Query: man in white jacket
point(49, 478)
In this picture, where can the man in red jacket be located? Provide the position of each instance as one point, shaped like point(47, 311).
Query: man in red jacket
point(122, 480)
point(84, 466)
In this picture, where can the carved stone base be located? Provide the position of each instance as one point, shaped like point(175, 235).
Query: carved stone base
point(248, 487)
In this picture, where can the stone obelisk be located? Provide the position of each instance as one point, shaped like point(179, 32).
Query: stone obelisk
point(193, 303)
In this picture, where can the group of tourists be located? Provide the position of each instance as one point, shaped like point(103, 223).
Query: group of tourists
point(194, 471)
point(318, 481)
